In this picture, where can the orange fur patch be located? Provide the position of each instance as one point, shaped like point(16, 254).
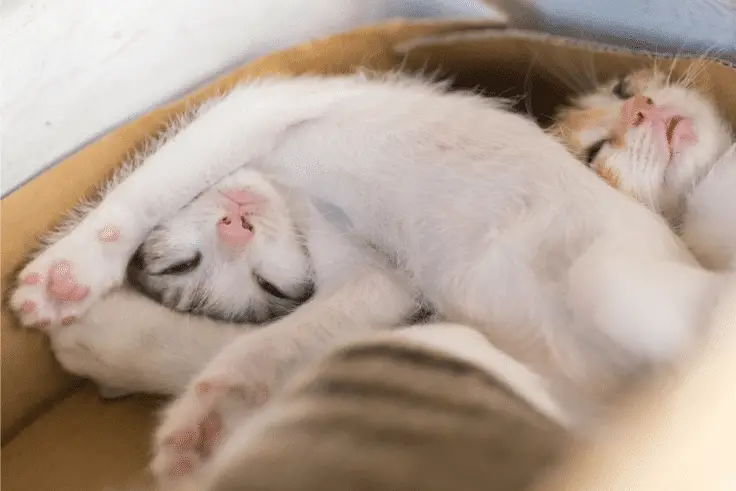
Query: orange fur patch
point(581, 119)
point(567, 137)
point(609, 175)
point(574, 121)
point(618, 137)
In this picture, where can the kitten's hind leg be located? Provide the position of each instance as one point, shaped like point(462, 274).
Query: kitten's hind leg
point(652, 308)
point(129, 343)
point(244, 374)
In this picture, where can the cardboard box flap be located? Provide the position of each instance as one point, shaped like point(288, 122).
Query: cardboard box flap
point(590, 45)
point(544, 70)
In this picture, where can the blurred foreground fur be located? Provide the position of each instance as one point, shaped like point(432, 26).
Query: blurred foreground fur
point(395, 414)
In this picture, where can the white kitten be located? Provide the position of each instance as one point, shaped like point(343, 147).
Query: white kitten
point(217, 259)
point(493, 222)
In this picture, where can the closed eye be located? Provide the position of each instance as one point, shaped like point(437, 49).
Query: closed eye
point(181, 267)
point(621, 89)
point(594, 151)
point(270, 288)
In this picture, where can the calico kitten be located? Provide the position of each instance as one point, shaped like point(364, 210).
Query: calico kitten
point(664, 143)
point(517, 241)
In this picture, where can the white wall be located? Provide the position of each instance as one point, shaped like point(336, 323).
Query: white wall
point(73, 69)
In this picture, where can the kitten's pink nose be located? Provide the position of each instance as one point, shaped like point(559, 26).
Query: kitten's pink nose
point(241, 196)
point(638, 110)
point(671, 130)
point(234, 229)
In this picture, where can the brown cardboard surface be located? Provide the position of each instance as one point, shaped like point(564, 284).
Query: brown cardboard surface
point(65, 450)
point(506, 63)
point(513, 63)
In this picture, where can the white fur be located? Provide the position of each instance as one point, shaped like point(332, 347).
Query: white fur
point(491, 229)
point(709, 223)
point(127, 343)
point(292, 243)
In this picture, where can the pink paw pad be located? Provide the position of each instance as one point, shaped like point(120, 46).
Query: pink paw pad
point(28, 306)
point(182, 440)
point(211, 428)
point(182, 466)
point(68, 321)
point(62, 284)
point(260, 393)
point(205, 387)
point(109, 234)
point(43, 324)
point(32, 279)
point(257, 394)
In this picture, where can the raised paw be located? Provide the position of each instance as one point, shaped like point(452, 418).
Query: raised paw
point(196, 423)
point(63, 285)
point(63, 281)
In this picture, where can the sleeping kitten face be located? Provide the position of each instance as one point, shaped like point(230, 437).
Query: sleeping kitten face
point(651, 138)
point(234, 253)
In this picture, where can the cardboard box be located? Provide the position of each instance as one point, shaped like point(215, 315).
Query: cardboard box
point(58, 435)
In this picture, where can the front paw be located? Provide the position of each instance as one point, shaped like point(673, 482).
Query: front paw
point(67, 278)
point(196, 423)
